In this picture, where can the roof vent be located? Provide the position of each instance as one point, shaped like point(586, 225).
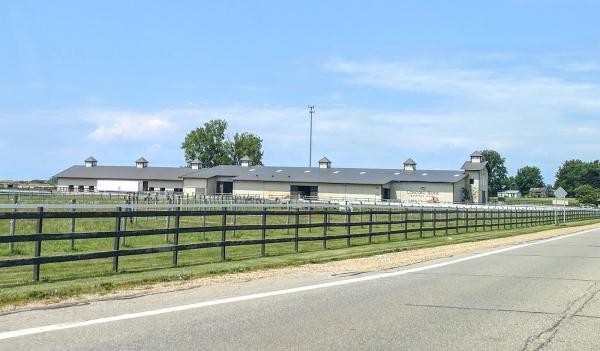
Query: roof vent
point(410, 165)
point(324, 163)
point(141, 163)
point(91, 162)
point(196, 164)
point(245, 161)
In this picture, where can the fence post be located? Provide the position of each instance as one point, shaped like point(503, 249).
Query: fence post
point(13, 224)
point(370, 226)
point(38, 243)
point(204, 221)
point(117, 240)
point(457, 217)
point(467, 220)
point(421, 223)
point(325, 222)
point(511, 218)
point(223, 231)
point(234, 222)
point(433, 221)
point(348, 226)
point(447, 222)
point(484, 213)
point(263, 231)
point(73, 202)
point(176, 236)
point(405, 223)
point(168, 224)
point(498, 210)
point(476, 219)
point(297, 230)
point(389, 224)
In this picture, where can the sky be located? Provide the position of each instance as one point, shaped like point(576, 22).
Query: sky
point(429, 80)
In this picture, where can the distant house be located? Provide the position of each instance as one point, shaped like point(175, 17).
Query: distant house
point(509, 193)
point(541, 192)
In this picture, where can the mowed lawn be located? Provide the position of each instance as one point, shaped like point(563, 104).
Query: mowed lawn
point(73, 270)
point(59, 279)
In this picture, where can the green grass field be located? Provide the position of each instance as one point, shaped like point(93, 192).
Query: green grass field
point(533, 201)
point(63, 279)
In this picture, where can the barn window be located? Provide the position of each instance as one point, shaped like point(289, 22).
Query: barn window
point(472, 181)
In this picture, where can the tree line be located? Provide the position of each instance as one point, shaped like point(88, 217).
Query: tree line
point(579, 178)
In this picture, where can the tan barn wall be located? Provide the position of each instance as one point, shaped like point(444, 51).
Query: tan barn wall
point(458, 189)
point(326, 191)
point(211, 186)
point(261, 189)
point(480, 185)
point(423, 192)
point(351, 192)
point(194, 186)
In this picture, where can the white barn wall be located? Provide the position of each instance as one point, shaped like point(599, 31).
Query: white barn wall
point(119, 185)
point(169, 185)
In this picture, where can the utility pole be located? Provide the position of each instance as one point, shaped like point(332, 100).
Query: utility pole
point(311, 110)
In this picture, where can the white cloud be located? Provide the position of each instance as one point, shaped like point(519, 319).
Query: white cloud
point(518, 87)
point(124, 125)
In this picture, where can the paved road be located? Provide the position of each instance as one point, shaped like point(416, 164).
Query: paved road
point(541, 296)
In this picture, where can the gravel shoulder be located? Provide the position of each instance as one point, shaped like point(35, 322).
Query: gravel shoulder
point(334, 268)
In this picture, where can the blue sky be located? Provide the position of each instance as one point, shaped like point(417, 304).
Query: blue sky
point(430, 80)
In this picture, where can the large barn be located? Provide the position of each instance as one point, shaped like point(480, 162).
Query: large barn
point(409, 184)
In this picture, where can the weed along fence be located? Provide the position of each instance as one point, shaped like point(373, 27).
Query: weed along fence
point(100, 240)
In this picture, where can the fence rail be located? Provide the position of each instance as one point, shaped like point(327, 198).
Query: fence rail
point(388, 222)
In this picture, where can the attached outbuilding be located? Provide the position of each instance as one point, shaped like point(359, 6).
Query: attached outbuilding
point(139, 178)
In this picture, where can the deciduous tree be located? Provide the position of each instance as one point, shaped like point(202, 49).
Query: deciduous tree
point(528, 177)
point(498, 177)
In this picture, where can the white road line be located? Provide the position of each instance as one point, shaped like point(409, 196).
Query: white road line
point(78, 324)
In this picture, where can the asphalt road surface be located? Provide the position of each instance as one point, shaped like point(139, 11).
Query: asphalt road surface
point(540, 295)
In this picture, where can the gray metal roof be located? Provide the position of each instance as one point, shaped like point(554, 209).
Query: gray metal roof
point(245, 158)
point(217, 171)
point(195, 162)
point(474, 166)
point(324, 160)
point(477, 153)
point(124, 172)
point(328, 175)
point(91, 159)
point(141, 160)
point(410, 161)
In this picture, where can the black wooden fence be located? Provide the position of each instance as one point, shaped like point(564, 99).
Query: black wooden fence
point(396, 221)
